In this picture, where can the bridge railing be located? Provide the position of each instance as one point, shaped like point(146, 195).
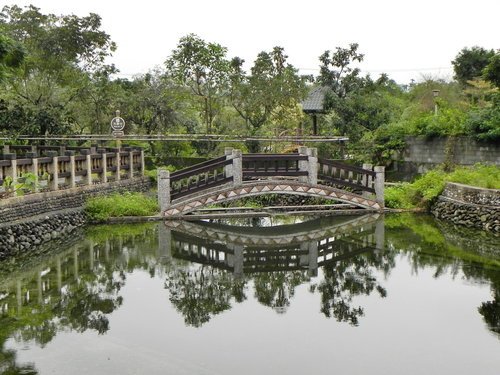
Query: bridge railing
point(55, 171)
point(236, 168)
point(337, 173)
point(272, 165)
point(200, 177)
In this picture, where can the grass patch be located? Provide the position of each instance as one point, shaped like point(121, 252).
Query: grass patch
point(423, 192)
point(116, 205)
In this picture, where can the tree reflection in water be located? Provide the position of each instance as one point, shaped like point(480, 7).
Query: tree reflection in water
point(276, 289)
point(78, 289)
point(199, 293)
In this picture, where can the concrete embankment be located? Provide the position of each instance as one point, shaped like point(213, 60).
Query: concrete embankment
point(30, 221)
point(469, 206)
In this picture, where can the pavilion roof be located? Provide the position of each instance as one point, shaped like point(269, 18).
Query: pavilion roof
point(314, 101)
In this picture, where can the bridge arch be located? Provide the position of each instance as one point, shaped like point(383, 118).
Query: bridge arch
point(229, 192)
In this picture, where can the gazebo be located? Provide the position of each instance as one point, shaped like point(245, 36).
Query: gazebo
point(313, 105)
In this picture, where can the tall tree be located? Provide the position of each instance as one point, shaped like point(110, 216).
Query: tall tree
point(337, 73)
point(62, 51)
point(11, 55)
point(470, 62)
point(272, 88)
point(204, 69)
point(492, 71)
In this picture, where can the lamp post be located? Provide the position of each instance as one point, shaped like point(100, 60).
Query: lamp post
point(435, 94)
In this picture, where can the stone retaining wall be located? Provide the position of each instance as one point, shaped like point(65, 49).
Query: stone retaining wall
point(31, 221)
point(25, 207)
point(28, 234)
point(469, 206)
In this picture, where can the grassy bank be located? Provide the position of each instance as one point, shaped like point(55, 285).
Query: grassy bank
point(422, 192)
point(117, 205)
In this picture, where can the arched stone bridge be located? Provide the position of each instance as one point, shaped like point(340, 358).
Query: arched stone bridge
point(236, 175)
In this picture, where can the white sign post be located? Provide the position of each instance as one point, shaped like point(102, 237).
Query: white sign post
point(117, 125)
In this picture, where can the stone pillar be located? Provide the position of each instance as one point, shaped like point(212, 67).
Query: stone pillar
point(312, 166)
point(164, 242)
point(55, 173)
point(237, 167)
point(143, 165)
point(104, 175)
point(379, 185)
point(88, 164)
point(6, 149)
point(12, 170)
point(367, 180)
point(131, 164)
point(34, 170)
point(303, 164)
point(118, 166)
point(228, 169)
point(163, 189)
point(72, 171)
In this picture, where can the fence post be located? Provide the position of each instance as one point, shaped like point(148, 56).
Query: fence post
point(379, 185)
point(131, 164)
point(118, 166)
point(53, 169)
point(367, 180)
point(34, 170)
point(303, 165)
point(163, 189)
point(12, 170)
point(312, 167)
point(228, 169)
point(88, 163)
point(143, 165)
point(72, 171)
point(104, 161)
point(6, 149)
point(237, 168)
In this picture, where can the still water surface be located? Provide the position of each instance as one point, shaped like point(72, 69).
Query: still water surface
point(351, 295)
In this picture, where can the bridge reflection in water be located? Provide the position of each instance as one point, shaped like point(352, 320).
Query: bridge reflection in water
point(249, 250)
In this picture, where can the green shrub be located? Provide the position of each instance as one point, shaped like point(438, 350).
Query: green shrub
point(427, 188)
point(117, 205)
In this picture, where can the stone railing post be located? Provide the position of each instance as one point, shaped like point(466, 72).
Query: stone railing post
point(367, 180)
point(379, 185)
point(88, 167)
point(6, 149)
point(312, 167)
point(72, 171)
point(237, 167)
point(118, 166)
point(12, 170)
point(54, 170)
point(163, 189)
point(34, 170)
point(143, 164)
point(104, 174)
point(228, 169)
point(303, 165)
point(131, 164)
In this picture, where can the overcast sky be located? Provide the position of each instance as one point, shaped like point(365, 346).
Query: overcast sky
point(406, 39)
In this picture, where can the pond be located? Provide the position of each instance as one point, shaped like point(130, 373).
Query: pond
point(400, 294)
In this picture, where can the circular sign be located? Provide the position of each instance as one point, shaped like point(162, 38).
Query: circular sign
point(117, 124)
